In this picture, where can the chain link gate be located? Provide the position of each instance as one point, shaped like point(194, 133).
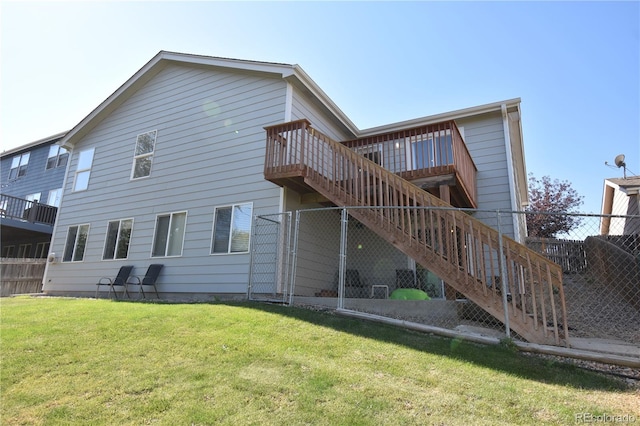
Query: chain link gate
point(270, 269)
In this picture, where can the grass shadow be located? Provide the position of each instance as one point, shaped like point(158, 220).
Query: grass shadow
point(504, 358)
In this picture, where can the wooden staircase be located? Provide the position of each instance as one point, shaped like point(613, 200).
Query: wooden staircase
point(466, 253)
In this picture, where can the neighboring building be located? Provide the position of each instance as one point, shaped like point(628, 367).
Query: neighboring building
point(621, 196)
point(31, 177)
point(171, 169)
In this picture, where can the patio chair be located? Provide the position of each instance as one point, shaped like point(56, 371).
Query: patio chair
point(149, 279)
point(354, 285)
point(124, 274)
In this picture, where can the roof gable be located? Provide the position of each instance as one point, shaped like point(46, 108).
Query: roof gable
point(151, 69)
point(293, 74)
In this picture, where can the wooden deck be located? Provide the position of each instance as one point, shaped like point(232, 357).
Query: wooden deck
point(466, 253)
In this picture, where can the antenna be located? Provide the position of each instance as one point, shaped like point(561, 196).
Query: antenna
point(619, 160)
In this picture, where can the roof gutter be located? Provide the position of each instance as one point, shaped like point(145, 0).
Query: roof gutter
point(32, 144)
point(446, 116)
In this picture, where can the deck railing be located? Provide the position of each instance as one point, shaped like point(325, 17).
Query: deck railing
point(422, 152)
point(26, 210)
point(468, 254)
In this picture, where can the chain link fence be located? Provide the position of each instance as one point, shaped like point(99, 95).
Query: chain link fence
point(600, 261)
point(324, 257)
point(271, 260)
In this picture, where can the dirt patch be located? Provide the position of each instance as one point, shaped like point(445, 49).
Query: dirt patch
point(595, 310)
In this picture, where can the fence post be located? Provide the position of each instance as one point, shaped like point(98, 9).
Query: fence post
point(294, 258)
point(286, 254)
point(254, 232)
point(503, 278)
point(343, 257)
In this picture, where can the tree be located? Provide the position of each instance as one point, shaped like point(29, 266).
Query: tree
point(549, 203)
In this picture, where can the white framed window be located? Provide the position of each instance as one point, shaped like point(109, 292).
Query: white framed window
point(433, 151)
point(83, 170)
point(168, 237)
point(19, 166)
point(116, 243)
point(7, 251)
point(231, 229)
point(29, 206)
point(54, 197)
point(35, 197)
point(371, 152)
point(24, 250)
point(58, 156)
point(42, 249)
point(143, 155)
point(76, 243)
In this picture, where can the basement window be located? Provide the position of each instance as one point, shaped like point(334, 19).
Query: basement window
point(76, 243)
point(231, 229)
point(169, 234)
point(116, 244)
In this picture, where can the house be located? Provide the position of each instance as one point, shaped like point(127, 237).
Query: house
point(613, 257)
point(175, 164)
point(621, 197)
point(31, 177)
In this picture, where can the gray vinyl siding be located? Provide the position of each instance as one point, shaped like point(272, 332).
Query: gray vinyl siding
point(319, 240)
point(206, 155)
point(378, 269)
point(303, 107)
point(485, 140)
point(37, 179)
point(318, 253)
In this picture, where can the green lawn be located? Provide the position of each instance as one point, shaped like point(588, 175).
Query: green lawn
point(84, 361)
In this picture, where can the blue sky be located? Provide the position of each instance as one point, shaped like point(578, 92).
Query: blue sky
point(576, 65)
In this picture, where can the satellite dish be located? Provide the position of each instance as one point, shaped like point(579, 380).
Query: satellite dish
point(620, 163)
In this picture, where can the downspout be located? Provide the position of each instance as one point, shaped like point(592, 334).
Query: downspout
point(288, 103)
point(288, 112)
point(510, 173)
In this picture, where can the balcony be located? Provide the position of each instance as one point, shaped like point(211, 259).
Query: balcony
point(433, 157)
point(25, 211)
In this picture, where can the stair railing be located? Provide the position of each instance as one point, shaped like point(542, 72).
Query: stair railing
point(460, 248)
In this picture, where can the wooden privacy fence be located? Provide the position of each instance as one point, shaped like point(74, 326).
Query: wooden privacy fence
point(569, 254)
point(21, 276)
